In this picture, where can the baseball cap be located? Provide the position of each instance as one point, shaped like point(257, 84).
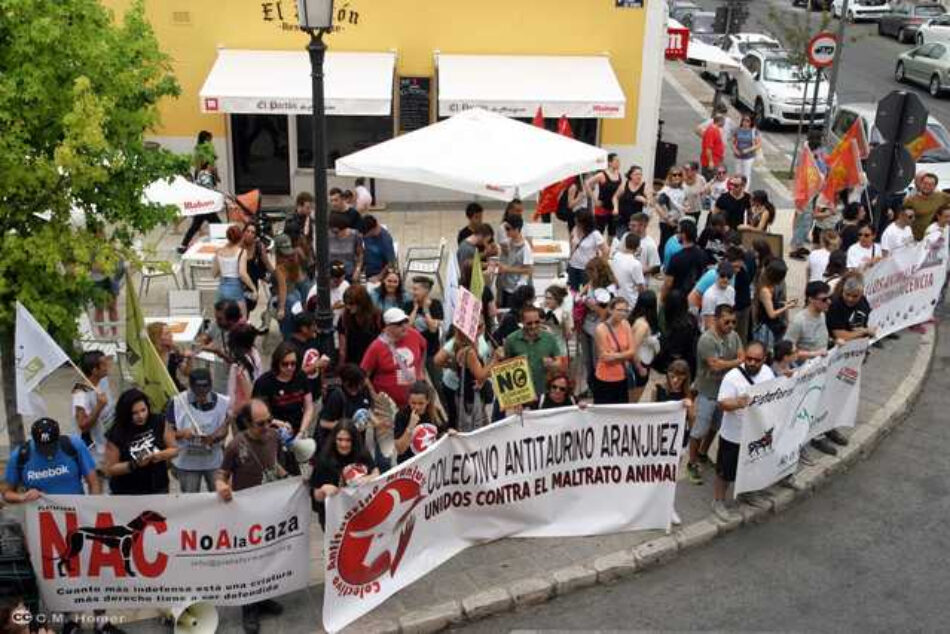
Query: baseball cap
point(602, 296)
point(45, 434)
point(395, 316)
point(200, 378)
point(724, 269)
point(283, 244)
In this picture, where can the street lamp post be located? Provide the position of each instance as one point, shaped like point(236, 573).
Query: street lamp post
point(316, 18)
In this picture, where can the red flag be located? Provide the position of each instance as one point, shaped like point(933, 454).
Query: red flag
point(926, 141)
point(550, 195)
point(808, 178)
point(538, 118)
point(844, 171)
point(856, 132)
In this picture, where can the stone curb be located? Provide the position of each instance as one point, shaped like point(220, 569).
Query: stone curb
point(623, 563)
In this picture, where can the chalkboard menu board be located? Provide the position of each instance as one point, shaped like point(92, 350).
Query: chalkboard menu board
point(413, 103)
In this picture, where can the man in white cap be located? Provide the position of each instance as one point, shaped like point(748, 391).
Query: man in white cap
point(396, 359)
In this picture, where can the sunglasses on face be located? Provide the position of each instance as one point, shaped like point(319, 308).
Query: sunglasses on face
point(677, 175)
point(823, 299)
point(559, 388)
point(532, 323)
point(754, 360)
point(261, 423)
point(288, 364)
point(728, 322)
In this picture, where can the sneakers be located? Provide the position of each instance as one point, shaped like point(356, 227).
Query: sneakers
point(705, 461)
point(837, 438)
point(676, 518)
point(800, 253)
point(722, 511)
point(805, 458)
point(824, 446)
point(693, 473)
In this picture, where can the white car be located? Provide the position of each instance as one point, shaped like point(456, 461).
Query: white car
point(738, 45)
point(773, 88)
point(936, 160)
point(936, 30)
point(860, 9)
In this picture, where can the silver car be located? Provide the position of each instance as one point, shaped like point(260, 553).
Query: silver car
point(928, 65)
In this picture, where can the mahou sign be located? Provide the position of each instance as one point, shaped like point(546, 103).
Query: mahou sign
point(547, 474)
point(167, 551)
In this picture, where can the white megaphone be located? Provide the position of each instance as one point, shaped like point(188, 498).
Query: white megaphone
point(303, 449)
point(197, 618)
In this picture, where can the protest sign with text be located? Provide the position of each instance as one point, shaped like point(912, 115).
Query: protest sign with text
point(468, 313)
point(788, 411)
point(552, 473)
point(512, 382)
point(904, 287)
point(168, 551)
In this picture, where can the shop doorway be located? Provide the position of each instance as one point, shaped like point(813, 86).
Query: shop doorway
point(261, 153)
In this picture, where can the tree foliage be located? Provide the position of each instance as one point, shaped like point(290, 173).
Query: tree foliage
point(79, 90)
point(795, 30)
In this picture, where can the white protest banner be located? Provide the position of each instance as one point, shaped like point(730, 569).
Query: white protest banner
point(787, 412)
point(168, 551)
point(468, 313)
point(903, 288)
point(554, 473)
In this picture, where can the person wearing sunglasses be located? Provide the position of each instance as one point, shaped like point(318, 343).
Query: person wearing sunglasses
point(671, 205)
point(732, 399)
point(536, 344)
point(286, 390)
point(735, 204)
point(864, 253)
point(808, 329)
point(558, 393)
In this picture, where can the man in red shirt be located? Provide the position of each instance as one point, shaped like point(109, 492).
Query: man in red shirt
point(713, 147)
point(396, 359)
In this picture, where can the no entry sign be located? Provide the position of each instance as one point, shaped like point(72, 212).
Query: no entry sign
point(821, 49)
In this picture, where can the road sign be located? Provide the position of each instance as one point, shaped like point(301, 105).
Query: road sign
point(821, 49)
point(901, 117)
point(890, 168)
point(512, 382)
point(677, 43)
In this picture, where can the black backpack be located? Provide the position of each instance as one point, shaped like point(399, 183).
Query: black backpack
point(64, 443)
point(563, 212)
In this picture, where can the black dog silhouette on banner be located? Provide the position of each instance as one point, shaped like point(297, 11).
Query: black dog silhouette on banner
point(121, 537)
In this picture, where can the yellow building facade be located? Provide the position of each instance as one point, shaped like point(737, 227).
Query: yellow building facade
point(269, 133)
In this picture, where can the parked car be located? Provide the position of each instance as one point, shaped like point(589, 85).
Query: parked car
point(904, 18)
point(860, 9)
point(936, 30)
point(773, 87)
point(737, 45)
point(701, 26)
point(679, 11)
point(928, 65)
point(936, 160)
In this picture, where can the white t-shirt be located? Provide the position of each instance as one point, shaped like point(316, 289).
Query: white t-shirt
point(364, 199)
point(895, 237)
point(676, 208)
point(733, 385)
point(585, 249)
point(817, 263)
point(649, 254)
point(714, 296)
point(629, 273)
point(935, 234)
point(86, 400)
point(336, 297)
point(858, 256)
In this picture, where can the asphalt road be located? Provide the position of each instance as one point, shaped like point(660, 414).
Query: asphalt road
point(868, 60)
point(867, 553)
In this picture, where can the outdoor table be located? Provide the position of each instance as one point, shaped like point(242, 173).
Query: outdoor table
point(184, 328)
point(200, 255)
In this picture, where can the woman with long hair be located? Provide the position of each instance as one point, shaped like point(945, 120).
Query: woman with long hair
point(360, 324)
point(256, 262)
point(390, 292)
point(290, 280)
point(177, 362)
point(138, 448)
point(615, 350)
point(244, 367)
point(632, 196)
point(286, 390)
point(770, 311)
point(343, 460)
point(677, 387)
point(587, 243)
point(595, 296)
point(420, 410)
point(679, 333)
point(232, 269)
point(557, 319)
point(761, 214)
point(608, 181)
point(671, 205)
point(466, 369)
point(746, 142)
point(645, 325)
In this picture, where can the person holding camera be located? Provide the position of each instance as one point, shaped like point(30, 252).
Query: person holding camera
point(139, 447)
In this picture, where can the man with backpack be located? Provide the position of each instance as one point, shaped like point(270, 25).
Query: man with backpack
point(49, 463)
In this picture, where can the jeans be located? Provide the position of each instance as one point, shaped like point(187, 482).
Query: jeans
point(802, 225)
point(744, 167)
point(576, 278)
point(190, 481)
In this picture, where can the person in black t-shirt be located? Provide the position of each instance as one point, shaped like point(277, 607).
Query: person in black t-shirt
point(677, 388)
point(735, 203)
point(139, 447)
point(712, 240)
point(475, 214)
point(425, 313)
point(419, 411)
point(558, 393)
point(687, 266)
point(338, 206)
point(359, 325)
point(847, 317)
point(344, 460)
point(286, 390)
point(312, 360)
point(344, 401)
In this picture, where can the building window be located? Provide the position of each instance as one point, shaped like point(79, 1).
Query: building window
point(261, 154)
point(345, 135)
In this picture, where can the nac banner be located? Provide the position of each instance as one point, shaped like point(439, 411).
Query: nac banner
point(903, 288)
point(552, 473)
point(787, 412)
point(168, 551)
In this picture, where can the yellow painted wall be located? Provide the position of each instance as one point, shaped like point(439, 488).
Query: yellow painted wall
point(190, 31)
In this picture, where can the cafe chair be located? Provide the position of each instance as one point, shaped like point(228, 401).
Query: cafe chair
point(541, 230)
point(426, 261)
point(218, 230)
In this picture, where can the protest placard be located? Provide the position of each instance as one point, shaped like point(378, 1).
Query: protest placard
point(512, 382)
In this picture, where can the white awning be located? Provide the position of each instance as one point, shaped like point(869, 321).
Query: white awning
point(702, 52)
point(278, 82)
point(515, 85)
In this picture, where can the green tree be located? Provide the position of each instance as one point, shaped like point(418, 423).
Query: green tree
point(79, 90)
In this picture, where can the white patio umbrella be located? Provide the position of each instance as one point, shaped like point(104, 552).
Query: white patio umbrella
point(191, 199)
point(477, 152)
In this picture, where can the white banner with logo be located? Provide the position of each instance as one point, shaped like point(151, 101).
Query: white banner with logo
point(553, 473)
point(167, 551)
point(787, 412)
point(903, 288)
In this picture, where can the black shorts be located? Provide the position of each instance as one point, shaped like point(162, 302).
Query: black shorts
point(607, 225)
point(641, 381)
point(727, 460)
